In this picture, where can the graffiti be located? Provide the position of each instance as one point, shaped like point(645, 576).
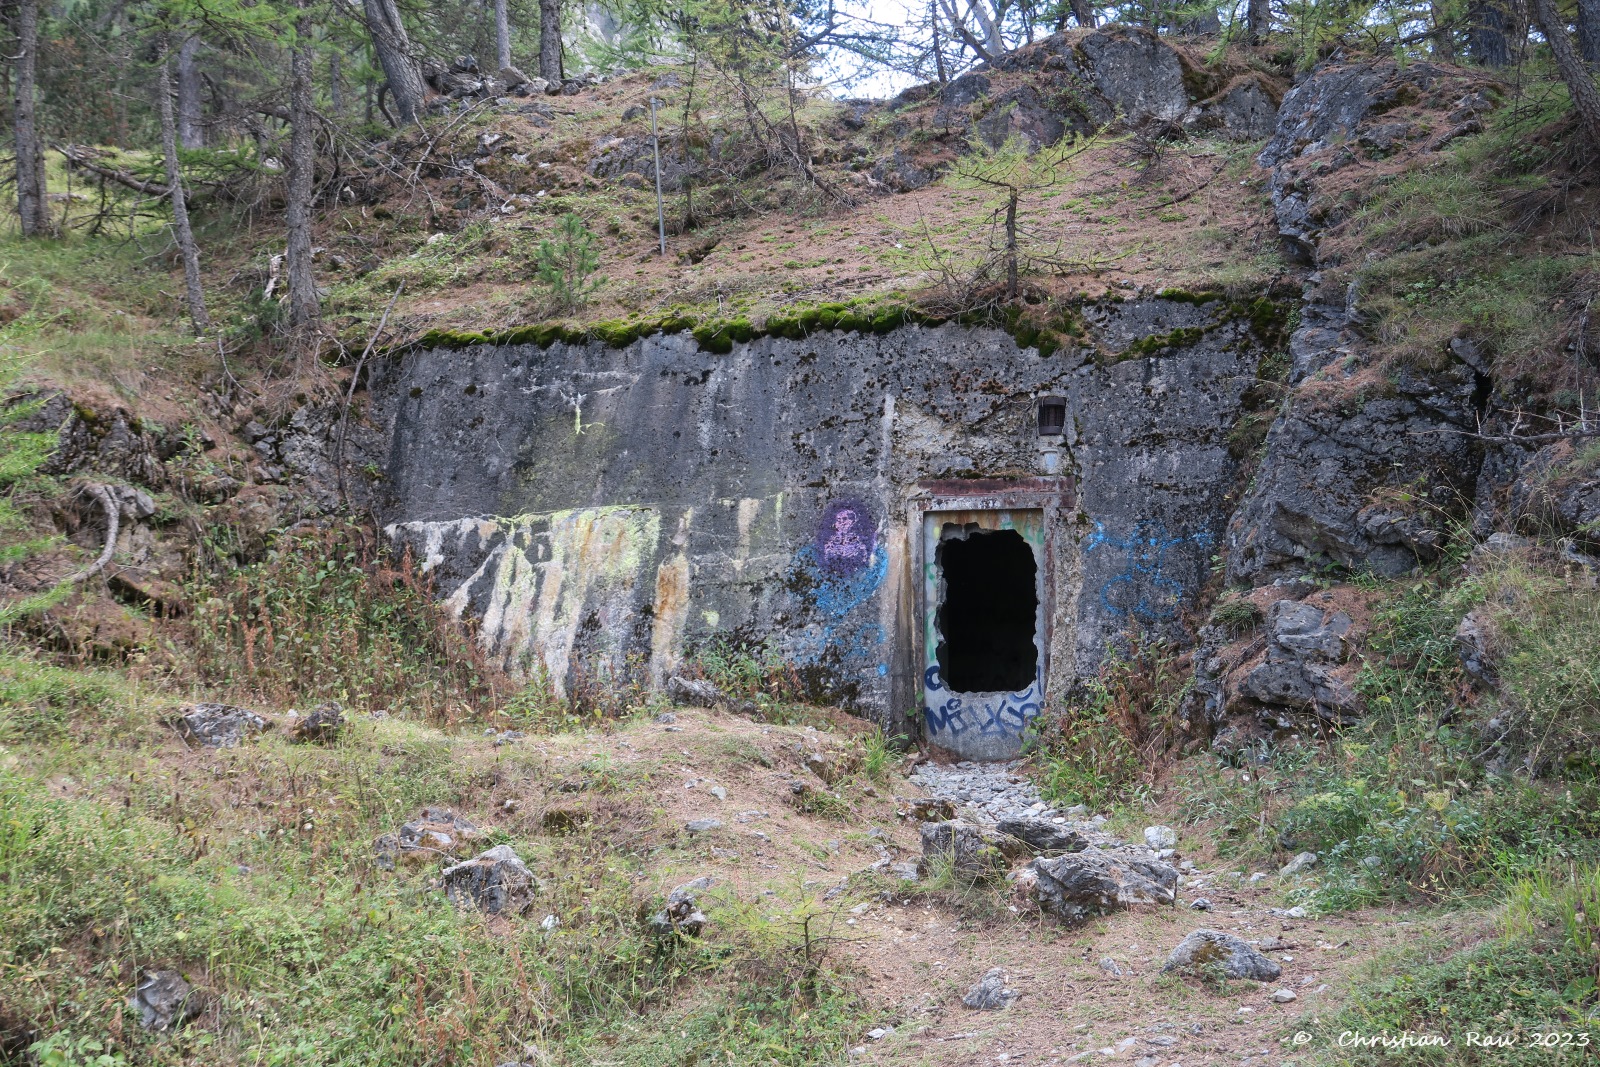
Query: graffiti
point(1142, 589)
point(845, 537)
point(993, 715)
point(843, 567)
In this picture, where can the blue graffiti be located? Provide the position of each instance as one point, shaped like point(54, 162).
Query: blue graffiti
point(1142, 589)
point(1007, 715)
point(836, 594)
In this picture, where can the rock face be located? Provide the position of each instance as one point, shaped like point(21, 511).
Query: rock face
point(646, 498)
point(219, 725)
point(496, 881)
point(1234, 956)
point(1079, 886)
point(1305, 646)
point(1557, 492)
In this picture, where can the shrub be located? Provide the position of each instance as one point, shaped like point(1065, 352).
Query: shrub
point(568, 263)
point(1107, 742)
point(332, 614)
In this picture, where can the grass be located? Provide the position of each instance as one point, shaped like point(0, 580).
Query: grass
point(307, 953)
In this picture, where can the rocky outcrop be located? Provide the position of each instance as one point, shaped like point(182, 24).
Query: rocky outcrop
point(1362, 477)
point(1557, 493)
point(1305, 646)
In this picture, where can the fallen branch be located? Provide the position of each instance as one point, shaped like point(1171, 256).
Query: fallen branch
point(109, 503)
point(77, 157)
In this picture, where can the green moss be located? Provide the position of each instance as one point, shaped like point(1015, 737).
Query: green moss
point(1160, 342)
point(1184, 296)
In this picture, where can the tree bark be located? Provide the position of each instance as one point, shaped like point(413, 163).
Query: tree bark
point(180, 207)
point(393, 45)
point(550, 41)
point(1083, 13)
point(1011, 244)
point(304, 308)
point(191, 134)
point(1487, 26)
point(33, 209)
point(336, 85)
point(1580, 84)
point(1444, 40)
point(502, 35)
point(1589, 32)
point(1258, 20)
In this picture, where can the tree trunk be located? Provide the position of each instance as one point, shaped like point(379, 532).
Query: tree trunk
point(190, 132)
point(1444, 34)
point(1257, 20)
point(1083, 13)
point(180, 207)
point(336, 85)
point(33, 209)
point(1585, 97)
point(938, 50)
point(303, 306)
point(1589, 32)
point(550, 41)
point(1487, 26)
point(1011, 245)
point(393, 46)
point(502, 35)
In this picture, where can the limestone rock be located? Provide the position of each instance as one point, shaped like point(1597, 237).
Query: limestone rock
point(165, 1001)
point(965, 847)
point(1212, 948)
point(495, 881)
point(321, 726)
point(1093, 882)
point(1302, 862)
point(682, 916)
point(695, 692)
point(219, 725)
point(1160, 837)
point(990, 993)
point(436, 833)
point(1043, 836)
point(702, 826)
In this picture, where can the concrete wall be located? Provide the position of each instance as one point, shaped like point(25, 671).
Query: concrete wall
point(605, 511)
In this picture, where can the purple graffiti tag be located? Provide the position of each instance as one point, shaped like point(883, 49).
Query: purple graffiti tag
point(845, 537)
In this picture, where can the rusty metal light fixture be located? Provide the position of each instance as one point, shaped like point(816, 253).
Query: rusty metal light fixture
point(1052, 416)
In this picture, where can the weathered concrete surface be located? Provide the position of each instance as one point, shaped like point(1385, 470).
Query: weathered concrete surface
point(605, 511)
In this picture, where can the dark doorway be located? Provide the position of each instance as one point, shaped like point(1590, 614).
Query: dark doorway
point(989, 612)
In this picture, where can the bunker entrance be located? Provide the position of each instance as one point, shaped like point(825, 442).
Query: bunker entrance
point(989, 610)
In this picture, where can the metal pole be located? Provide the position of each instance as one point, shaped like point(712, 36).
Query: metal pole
point(655, 144)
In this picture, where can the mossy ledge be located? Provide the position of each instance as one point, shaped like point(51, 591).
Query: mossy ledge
point(719, 335)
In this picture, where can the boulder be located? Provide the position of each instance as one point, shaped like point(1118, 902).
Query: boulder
point(496, 881)
point(990, 993)
point(1211, 948)
point(1043, 836)
point(219, 725)
point(1302, 862)
point(165, 1001)
point(682, 917)
point(321, 726)
point(1080, 885)
point(695, 692)
point(1160, 837)
point(436, 833)
point(933, 809)
point(1136, 73)
point(964, 847)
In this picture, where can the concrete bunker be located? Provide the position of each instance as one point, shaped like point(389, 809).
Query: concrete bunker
point(605, 512)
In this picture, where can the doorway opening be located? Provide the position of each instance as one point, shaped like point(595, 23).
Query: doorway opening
point(989, 612)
